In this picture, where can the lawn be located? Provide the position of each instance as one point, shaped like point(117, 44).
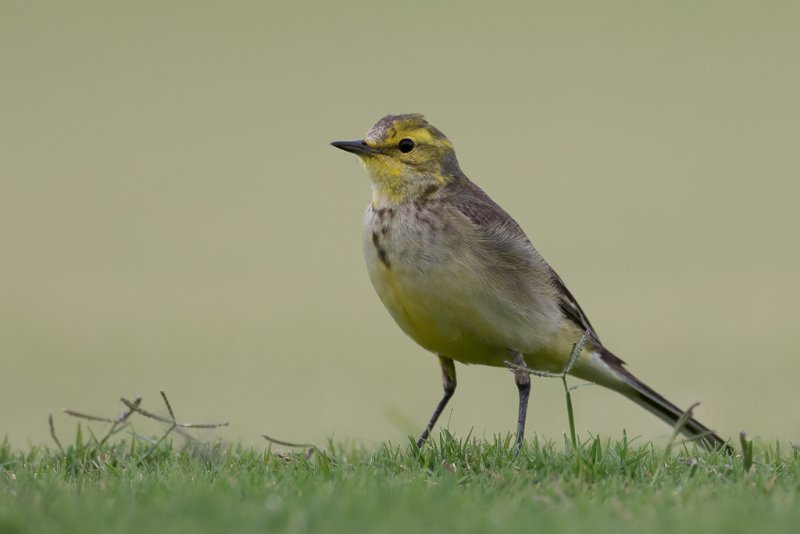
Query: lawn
point(131, 484)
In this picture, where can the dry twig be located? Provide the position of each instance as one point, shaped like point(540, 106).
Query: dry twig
point(310, 446)
point(122, 421)
point(53, 432)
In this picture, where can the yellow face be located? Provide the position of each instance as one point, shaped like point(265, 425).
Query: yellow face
point(405, 157)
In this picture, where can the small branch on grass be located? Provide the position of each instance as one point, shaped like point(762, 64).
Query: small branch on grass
point(88, 417)
point(53, 432)
point(696, 437)
point(135, 407)
point(122, 421)
point(117, 424)
point(174, 424)
point(685, 417)
point(311, 448)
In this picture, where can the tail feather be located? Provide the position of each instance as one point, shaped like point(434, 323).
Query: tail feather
point(646, 397)
point(666, 411)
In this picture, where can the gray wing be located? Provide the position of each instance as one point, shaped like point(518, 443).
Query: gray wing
point(512, 245)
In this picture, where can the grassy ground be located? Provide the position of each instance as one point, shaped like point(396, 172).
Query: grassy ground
point(451, 486)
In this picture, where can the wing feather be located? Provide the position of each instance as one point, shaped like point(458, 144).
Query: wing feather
point(499, 228)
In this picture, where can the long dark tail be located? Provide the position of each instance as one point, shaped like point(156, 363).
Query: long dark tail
point(636, 390)
point(651, 401)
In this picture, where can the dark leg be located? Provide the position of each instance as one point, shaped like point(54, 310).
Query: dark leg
point(449, 386)
point(523, 381)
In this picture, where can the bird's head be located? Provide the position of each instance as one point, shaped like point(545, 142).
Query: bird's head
point(406, 158)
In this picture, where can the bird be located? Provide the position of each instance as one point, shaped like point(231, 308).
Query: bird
point(461, 278)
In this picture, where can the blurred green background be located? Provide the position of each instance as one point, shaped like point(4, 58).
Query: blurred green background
point(172, 216)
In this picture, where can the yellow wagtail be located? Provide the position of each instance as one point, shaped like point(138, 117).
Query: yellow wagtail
point(461, 278)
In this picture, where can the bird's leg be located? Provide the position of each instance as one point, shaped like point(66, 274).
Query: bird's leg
point(523, 381)
point(449, 386)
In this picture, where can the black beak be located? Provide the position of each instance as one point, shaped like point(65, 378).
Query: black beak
point(356, 147)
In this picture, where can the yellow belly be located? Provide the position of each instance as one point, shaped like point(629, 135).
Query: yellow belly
point(444, 314)
point(443, 295)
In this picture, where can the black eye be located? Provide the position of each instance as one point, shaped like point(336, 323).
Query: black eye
point(405, 145)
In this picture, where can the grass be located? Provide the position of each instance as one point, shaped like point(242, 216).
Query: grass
point(452, 485)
